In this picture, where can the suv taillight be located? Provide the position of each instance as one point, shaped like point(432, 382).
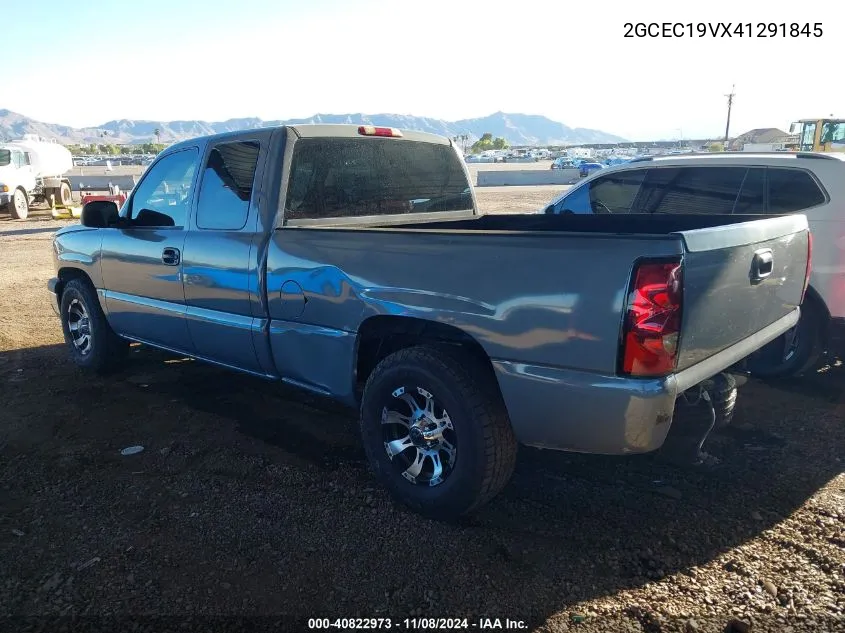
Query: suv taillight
point(653, 319)
point(809, 265)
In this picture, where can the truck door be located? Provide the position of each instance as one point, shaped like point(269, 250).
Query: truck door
point(23, 166)
point(220, 262)
point(142, 263)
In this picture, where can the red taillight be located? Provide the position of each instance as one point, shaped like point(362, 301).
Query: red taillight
point(809, 265)
point(653, 320)
point(371, 130)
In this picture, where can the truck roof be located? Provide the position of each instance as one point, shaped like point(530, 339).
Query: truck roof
point(314, 130)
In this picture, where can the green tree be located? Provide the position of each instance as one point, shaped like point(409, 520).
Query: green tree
point(157, 133)
point(487, 142)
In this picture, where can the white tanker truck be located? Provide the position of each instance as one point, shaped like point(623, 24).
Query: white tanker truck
point(32, 170)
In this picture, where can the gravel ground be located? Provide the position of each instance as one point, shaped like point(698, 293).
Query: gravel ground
point(250, 500)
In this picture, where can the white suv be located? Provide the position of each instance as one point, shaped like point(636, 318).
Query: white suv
point(745, 184)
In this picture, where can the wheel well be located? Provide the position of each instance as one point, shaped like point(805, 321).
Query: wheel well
point(380, 336)
point(67, 274)
point(815, 298)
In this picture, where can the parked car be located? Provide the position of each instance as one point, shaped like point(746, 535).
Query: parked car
point(587, 168)
point(352, 262)
point(751, 185)
point(563, 162)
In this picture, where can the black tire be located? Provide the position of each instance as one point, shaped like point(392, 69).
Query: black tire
point(63, 195)
point(772, 362)
point(105, 349)
point(723, 395)
point(485, 445)
point(19, 206)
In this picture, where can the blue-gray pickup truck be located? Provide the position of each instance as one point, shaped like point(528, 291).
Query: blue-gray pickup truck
point(351, 261)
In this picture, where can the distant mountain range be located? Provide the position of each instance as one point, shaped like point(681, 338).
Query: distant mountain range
point(517, 129)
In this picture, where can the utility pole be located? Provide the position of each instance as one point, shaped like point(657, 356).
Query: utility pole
point(730, 103)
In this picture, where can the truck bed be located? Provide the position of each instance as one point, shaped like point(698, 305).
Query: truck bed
point(556, 301)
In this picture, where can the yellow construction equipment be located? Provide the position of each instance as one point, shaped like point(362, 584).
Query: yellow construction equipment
point(820, 135)
point(63, 212)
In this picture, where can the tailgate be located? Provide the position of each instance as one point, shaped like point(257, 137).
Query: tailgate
point(738, 279)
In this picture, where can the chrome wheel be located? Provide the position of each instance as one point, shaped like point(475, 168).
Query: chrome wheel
point(79, 325)
point(419, 437)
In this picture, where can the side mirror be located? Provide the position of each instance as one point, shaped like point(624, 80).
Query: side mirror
point(550, 210)
point(793, 128)
point(100, 214)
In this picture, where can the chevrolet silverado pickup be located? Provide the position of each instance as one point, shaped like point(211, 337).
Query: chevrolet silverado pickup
point(352, 261)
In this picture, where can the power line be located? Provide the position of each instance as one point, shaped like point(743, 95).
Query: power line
point(730, 103)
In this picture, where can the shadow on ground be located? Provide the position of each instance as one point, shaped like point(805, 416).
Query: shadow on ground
point(252, 498)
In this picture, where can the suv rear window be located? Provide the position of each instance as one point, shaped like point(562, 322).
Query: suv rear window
point(792, 190)
point(350, 177)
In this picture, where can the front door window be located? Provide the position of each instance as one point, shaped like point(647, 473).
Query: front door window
point(163, 197)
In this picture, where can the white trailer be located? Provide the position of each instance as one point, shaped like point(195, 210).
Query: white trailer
point(33, 170)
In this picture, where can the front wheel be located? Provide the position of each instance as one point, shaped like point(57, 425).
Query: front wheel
point(92, 343)
point(436, 432)
point(19, 206)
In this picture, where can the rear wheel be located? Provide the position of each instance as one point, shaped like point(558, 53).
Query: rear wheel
point(436, 432)
point(794, 352)
point(92, 343)
point(63, 195)
point(19, 206)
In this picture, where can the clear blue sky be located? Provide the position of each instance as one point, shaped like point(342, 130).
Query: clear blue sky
point(89, 61)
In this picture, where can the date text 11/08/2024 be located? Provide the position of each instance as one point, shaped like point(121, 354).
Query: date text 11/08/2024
point(416, 624)
point(723, 29)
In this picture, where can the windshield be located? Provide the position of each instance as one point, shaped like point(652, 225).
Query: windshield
point(343, 177)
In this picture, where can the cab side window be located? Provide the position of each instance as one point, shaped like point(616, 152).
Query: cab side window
point(227, 186)
point(163, 197)
point(833, 132)
point(792, 190)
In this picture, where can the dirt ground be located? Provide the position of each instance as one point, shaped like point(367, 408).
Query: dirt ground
point(250, 500)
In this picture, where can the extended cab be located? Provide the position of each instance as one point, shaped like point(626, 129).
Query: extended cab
point(352, 262)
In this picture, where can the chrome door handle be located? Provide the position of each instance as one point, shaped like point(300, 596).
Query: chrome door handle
point(171, 256)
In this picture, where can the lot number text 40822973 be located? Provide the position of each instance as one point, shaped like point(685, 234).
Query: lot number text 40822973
point(723, 29)
point(416, 624)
